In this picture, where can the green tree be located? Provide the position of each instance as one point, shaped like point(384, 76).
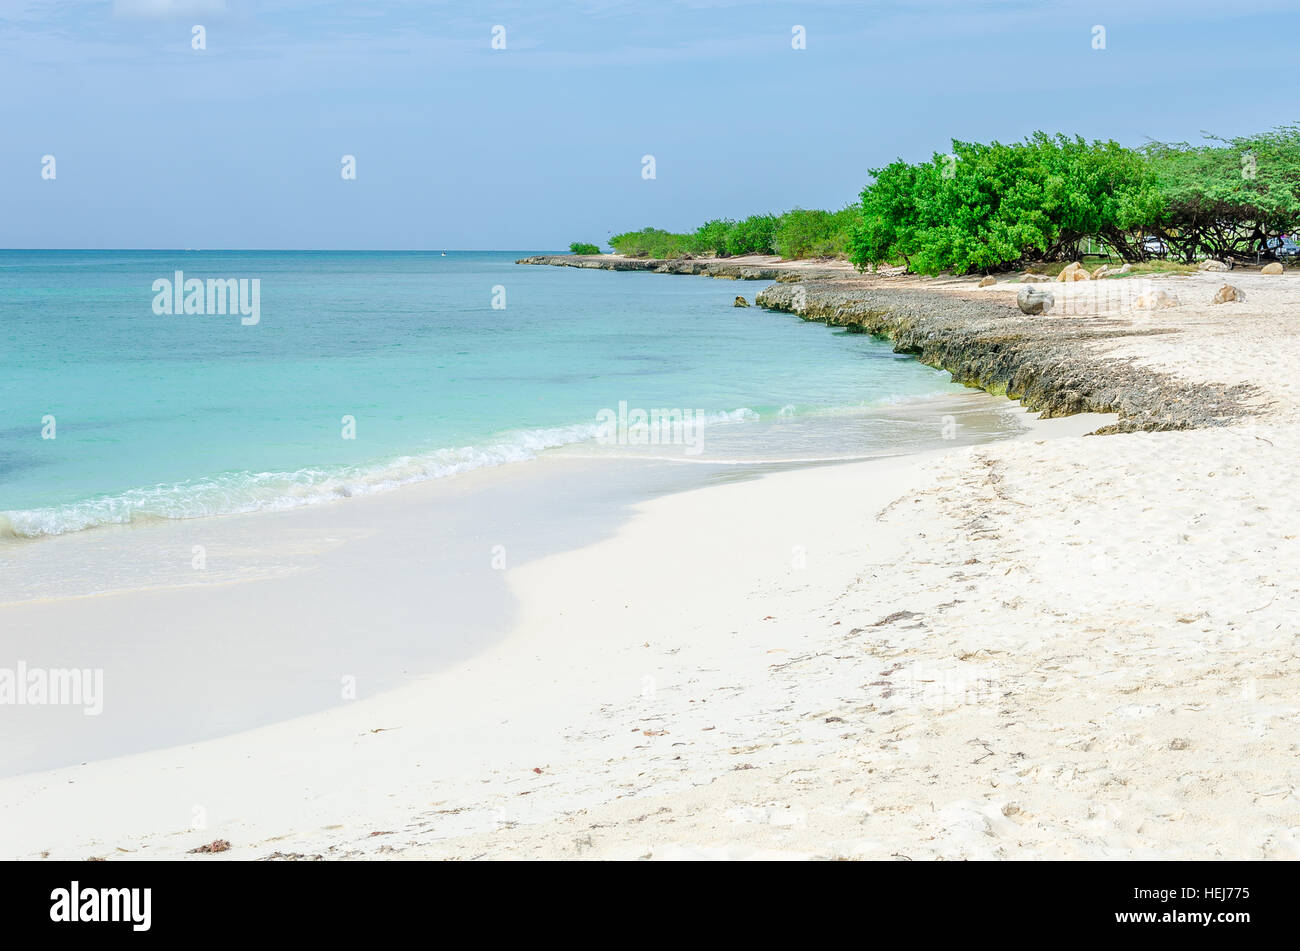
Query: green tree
point(753, 235)
point(651, 243)
point(1229, 196)
point(711, 237)
point(803, 233)
point(993, 206)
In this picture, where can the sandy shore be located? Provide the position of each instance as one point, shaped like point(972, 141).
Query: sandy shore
point(1059, 646)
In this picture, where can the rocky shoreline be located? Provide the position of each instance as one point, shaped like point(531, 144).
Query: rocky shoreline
point(1045, 363)
point(1053, 365)
point(704, 267)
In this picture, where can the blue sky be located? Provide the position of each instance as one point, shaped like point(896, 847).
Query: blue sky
point(457, 145)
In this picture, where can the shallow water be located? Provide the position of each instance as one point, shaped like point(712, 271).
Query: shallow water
point(371, 370)
point(206, 626)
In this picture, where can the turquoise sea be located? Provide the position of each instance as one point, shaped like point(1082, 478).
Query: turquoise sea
point(179, 416)
point(160, 419)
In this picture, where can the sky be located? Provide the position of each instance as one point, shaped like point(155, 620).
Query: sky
point(240, 144)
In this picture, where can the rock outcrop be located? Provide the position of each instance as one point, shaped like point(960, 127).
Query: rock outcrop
point(707, 267)
point(1046, 364)
point(1226, 293)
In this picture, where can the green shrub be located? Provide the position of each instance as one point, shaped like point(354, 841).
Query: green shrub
point(578, 247)
point(802, 233)
point(652, 243)
point(711, 237)
point(754, 235)
point(993, 206)
point(795, 234)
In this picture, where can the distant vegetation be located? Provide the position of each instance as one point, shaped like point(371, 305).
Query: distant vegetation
point(991, 207)
point(579, 247)
point(653, 243)
point(795, 234)
point(815, 234)
point(1048, 198)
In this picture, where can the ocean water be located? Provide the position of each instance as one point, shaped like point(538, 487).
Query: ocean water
point(160, 419)
point(369, 370)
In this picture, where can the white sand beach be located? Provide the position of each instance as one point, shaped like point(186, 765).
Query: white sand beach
point(1060, 646)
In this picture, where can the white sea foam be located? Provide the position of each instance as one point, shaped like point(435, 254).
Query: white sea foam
point(241, 492)
point(236, 493)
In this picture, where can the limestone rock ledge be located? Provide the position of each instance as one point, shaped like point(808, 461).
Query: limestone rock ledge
point(707, 267)
point(1057, 367)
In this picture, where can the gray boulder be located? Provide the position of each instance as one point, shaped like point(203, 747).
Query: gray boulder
point(1033, 300)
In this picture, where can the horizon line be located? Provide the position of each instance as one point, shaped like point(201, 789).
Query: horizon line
point(294, 250)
